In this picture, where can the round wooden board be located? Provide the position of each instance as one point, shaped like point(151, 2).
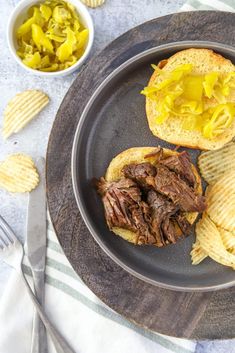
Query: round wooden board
point(208, 315)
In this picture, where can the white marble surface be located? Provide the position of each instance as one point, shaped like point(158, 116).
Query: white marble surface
point(111, 20)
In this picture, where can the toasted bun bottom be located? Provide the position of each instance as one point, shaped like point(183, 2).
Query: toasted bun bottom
point(204, 61)
point(137, 155)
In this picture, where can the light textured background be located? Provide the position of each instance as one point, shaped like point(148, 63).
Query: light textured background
point(111, 20)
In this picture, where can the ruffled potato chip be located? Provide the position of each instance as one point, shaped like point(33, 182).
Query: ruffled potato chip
point(228, 238)
point(18, 174)
point(93, 3)
point(197, 253)
point(221, 201)
point(22, 109)
point(213, 164)
point(211, 242)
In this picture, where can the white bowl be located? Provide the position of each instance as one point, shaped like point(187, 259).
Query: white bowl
point(19, 14)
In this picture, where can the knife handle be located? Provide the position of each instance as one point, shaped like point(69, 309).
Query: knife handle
point(60, 344)
point(39, 337)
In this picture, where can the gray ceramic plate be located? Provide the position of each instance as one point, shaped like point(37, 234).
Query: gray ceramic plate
point(114, 120)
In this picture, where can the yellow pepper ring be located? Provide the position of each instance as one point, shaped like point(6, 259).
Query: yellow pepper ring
point(221, 119)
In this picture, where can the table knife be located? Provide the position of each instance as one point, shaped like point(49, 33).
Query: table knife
point(36, 252)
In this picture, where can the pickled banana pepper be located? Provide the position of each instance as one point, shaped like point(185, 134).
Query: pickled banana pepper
point(202, 102)
point(52, 38)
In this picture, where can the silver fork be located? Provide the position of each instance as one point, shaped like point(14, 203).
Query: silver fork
point(11, 252)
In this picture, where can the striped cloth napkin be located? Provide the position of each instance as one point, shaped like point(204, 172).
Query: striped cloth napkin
point(87, 323)
point(219, 5)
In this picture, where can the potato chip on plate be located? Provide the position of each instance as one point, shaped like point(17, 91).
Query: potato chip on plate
point(213, 164)
point(211, 242)
point(221, 201)
point(18, 173)
point(197, 253)
point(228, 238)
point(21, 110)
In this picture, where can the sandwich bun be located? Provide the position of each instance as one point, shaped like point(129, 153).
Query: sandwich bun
point(204, 61)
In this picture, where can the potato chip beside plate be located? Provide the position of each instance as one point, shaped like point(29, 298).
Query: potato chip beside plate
point(21, 110)
point(18, 173)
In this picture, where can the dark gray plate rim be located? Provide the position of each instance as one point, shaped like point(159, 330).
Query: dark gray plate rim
point(160, 48)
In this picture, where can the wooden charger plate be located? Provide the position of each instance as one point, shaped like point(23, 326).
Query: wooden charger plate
point(192, 315)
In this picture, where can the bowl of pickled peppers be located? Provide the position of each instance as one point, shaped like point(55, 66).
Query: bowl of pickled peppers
point(50, 38)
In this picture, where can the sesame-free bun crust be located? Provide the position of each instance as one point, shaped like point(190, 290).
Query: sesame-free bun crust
point(137, 155)
point(203, 61)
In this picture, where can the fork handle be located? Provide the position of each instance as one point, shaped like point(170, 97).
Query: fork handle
point(60, 344)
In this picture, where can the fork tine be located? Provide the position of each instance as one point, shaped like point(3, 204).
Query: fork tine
point(3, 242)
point(4, 238)
point(3, 235)
point(8, 232)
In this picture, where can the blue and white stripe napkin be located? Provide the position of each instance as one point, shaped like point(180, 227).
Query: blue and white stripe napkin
point(87, 323)
point(213, 5)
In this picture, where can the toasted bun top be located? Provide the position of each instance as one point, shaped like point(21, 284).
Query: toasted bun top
point(204, 61)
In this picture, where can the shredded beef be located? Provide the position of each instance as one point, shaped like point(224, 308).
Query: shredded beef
point(161, 212)
point(166, 182)
point(142, 173)
point(164, 212)
point(182, 222)
point(181, 164)
point(124, 208)
point(150, 200)
point(140, 215)
point(172, 186)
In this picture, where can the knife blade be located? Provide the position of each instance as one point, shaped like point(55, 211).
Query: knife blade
point(36, 251)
